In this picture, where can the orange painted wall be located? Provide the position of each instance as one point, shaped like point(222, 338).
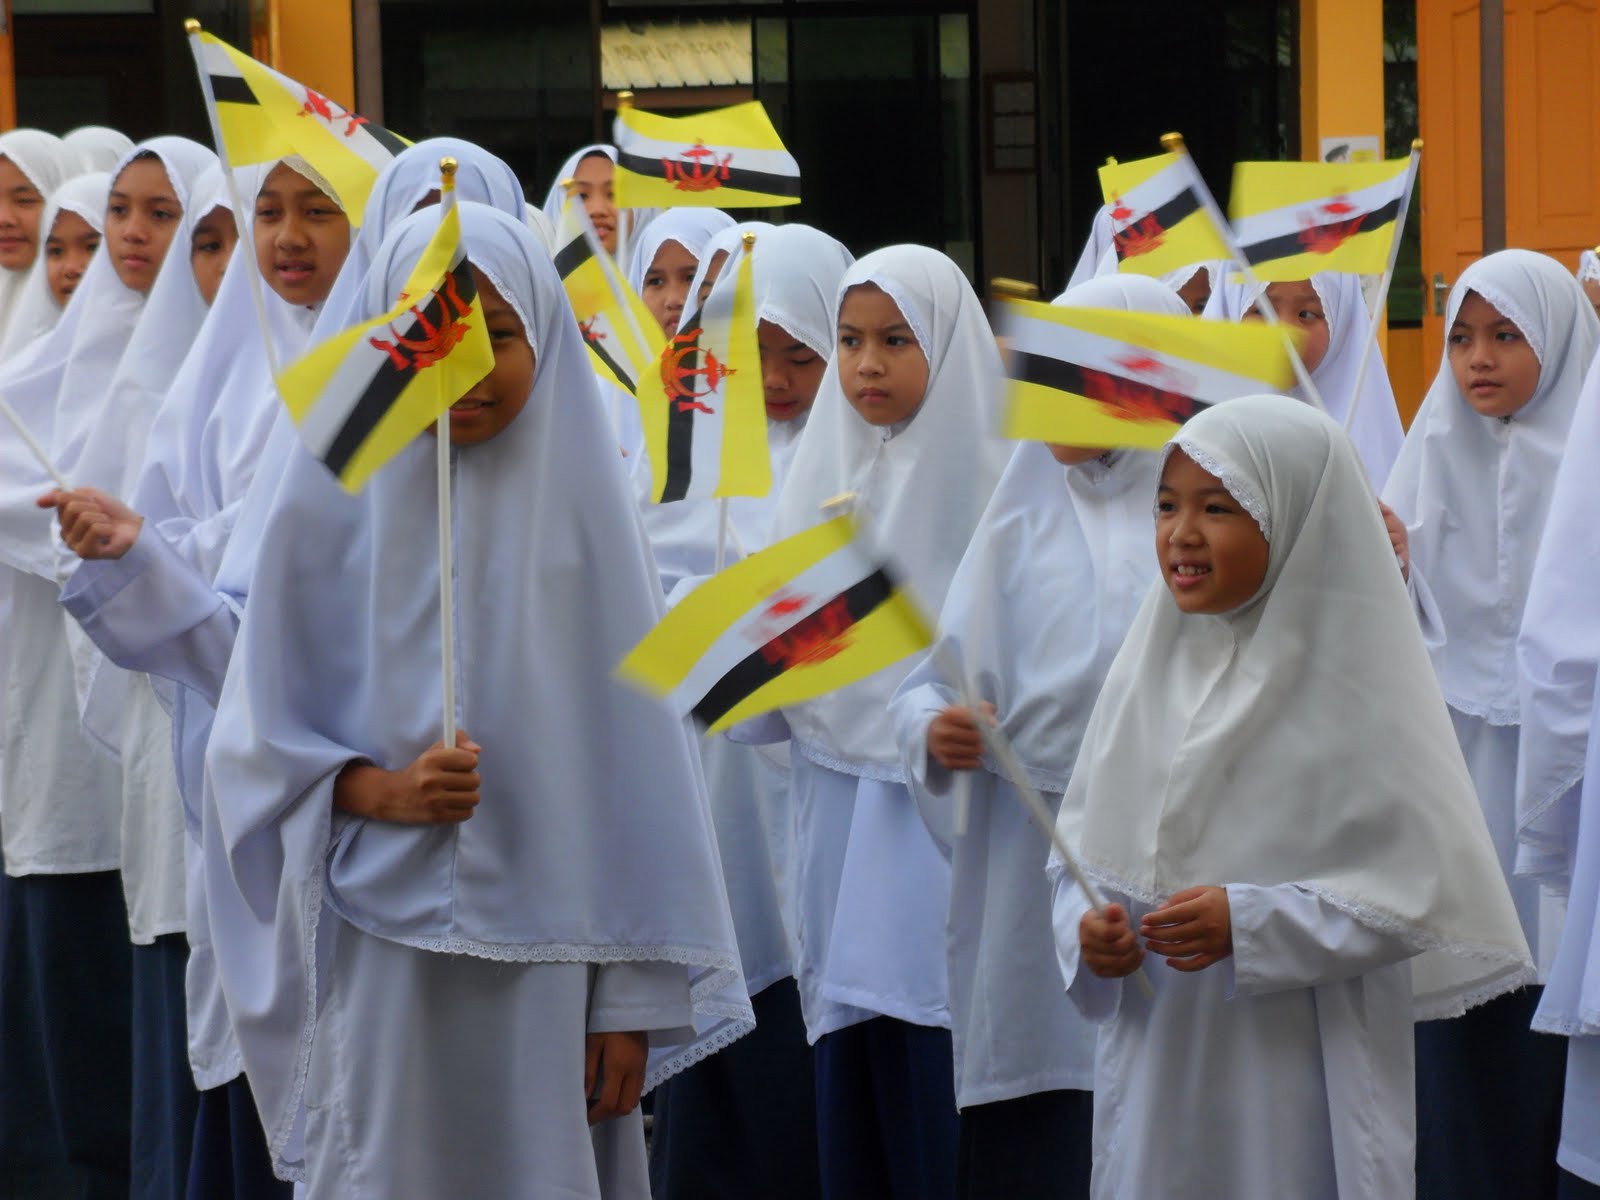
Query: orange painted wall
point(315, 45)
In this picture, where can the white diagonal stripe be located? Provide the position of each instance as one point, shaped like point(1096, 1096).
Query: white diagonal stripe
point(768, 162)
point(1279, 222)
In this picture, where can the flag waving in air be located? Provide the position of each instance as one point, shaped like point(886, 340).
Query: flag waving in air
point(807, 616)
point(361, 396)
point(1104, 377)
point(1293, 219)
point(728, 158)
point(263, 116)
point(624, 340)
point(705, 414)
point(1161, 214)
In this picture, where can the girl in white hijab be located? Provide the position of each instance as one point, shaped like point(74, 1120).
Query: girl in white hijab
point(1270, 793)
point(97, 147)
point(581, 903)
point(145, 594)
point(905, 419)
point(71, 229)
point(1036, 611)
point(1473, 485)
point(1588, 276)
point(594, 167)
point(32, 165)
point(1331, 311)
point(796, 272)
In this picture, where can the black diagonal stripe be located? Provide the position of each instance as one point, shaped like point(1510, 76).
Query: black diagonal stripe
point(573, 255)
point(788, 649)
point(680, 420)
point(616, 368)
point(390, 141)
point(1185, 204)
point(232, 89)
point(765, 182)
point(1303, 242)
point(1131, 399)
point(390, 380)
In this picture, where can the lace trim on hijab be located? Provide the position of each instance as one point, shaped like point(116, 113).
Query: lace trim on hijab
point(1589, 267)
point(311, 175)
point(510, 297)
point(1240, 489)
point(1529, 328)
point(860, 770)
point(908, 310)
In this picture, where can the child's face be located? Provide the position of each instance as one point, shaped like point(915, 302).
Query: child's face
point(67, 251)
point(21, 206)
point(141, 219)
point(1591, 289)
point(301, 237)
point(1211, 551)
point(210, 248)
point(1197, 292)
point(791, 372)
point(594, 175)
point(1494, 366)
point(500, 396)
point(882, 370)
point(666, 284)
point(1298, 304)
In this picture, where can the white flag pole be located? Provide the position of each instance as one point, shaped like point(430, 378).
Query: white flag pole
point(1173, 143)
point(1382, 296)
point(32, 444)
point(244, 219)
point(447, 619)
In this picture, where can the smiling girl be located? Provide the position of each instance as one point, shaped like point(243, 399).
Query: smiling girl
point(1473, 486)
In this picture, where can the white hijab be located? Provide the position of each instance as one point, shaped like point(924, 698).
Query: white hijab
point(97, 147)
point(1091, 261)
point(581, 853)
point(1376, 431)
point(691, 228)
point(1264, 745)
point(796, 272)
point(1588, 267)
point(1474, 491)
point(1054, 573)
point(921, 486)
point(36, 311)
point(47, 163)
point(631, 222)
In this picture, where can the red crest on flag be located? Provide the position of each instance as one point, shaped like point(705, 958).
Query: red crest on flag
point(318, 105)
point(419, 353)
point(698, 170)
point(1141, 237)
point(812, 639)
point(678, 380)
point(1156, 393)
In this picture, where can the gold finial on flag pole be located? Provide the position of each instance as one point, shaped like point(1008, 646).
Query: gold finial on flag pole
point(1416, 143)
point(191, 26)
point(1172, 143)
point(447, 169)
point(624, 99)
point(1002, 288)
point(1111, 162)
point(749, 241)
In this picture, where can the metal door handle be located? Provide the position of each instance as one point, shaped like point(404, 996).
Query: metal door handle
point(1441, 291)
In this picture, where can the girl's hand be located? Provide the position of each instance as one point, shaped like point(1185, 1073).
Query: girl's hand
point(954, 741)
point(439, 788)
point(1397, 538)
point(1108, 944)
point(613, 1073)
point(93, 524)
point(1192, 929)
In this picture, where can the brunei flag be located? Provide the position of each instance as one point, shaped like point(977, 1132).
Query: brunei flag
point(1107, 377)
point(624, 340)
point(705, 414)
point(1162, 216)
point(809, 615)
point(1293, 219)
point(361, 396)
point(727, 158)
point(265, 116)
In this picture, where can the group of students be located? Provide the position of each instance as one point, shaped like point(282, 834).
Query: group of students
point(1321, 755)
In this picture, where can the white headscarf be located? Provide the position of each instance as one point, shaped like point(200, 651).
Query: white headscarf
point(921, 486)
point(1300, 739)
point(47, 163)
point(540, 226)
point(1095, 249)
point(36, 311)
point(580, 853)
point(796, 272)
point(691, 228)
point(1054, 573)
point(1588, 267)
point(1376, 431)
point(630, 221)
point(1474, 490)
point(97, 147)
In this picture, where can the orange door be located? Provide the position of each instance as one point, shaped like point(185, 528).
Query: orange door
point(1552, 86)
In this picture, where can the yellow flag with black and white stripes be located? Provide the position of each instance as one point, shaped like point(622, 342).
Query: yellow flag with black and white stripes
point(727, 158)
point(264, 116)
point(624, 340)
point(1162, 216)
point(1294, 219)
point(809, 615)
point(705, 414)
point(361, 396)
